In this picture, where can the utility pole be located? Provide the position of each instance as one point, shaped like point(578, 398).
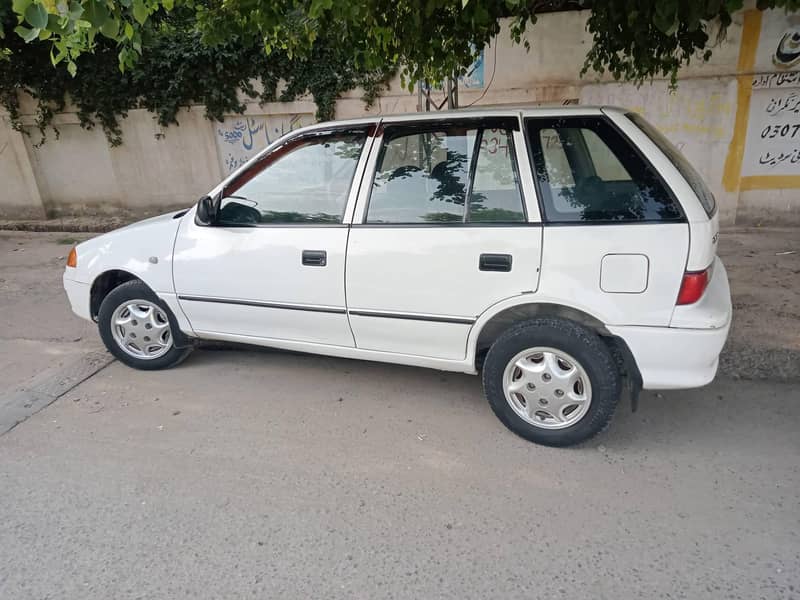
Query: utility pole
point(425, 101)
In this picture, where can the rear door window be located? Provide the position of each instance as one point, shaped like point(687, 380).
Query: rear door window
point(588, 172)
point(448, 174)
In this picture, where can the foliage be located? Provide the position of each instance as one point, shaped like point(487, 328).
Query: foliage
point(177, 70)
point(170, 53)
point(641, 40)
point(430, 39)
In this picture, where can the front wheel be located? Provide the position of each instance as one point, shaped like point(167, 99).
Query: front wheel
point(138, 328)
point(552, 381)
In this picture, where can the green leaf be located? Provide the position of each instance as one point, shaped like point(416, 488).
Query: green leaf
point(168, 4)
point(27, 34)
point(20, 6)
point(139, 11)
point(72, 68)
point(75, 10)
point(128, 31)
point(319, 6)
point(110, 29)
point(57, 58)
point(54, 24)
point(36, 15)
point(464, 3)
point(96, 13)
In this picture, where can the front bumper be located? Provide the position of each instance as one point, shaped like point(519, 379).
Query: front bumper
point(78, 294)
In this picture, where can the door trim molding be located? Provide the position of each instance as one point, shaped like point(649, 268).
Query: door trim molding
point(259, 304)
point(333, 309)
point(413, 316)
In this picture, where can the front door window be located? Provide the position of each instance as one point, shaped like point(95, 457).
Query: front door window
point(308, 182)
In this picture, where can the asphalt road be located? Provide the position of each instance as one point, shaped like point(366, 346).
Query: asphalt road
point(256, 474)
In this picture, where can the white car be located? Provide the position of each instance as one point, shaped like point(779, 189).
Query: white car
point(567, 254)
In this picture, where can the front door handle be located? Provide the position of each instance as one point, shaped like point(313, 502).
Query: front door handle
point(495, 262)
point(315, 258)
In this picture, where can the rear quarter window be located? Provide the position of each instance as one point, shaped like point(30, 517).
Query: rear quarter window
point(588, 172)
point(676, 157)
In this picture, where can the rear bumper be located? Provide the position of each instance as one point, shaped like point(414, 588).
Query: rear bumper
point(685, 355)
point(670, 358)
point(78, 295)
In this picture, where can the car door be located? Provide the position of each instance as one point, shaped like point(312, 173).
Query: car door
point(442, 232)
point(272, 264)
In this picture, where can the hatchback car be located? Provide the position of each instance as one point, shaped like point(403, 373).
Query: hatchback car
point(567, 254)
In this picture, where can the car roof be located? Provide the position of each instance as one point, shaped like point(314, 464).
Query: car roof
point(475, 112)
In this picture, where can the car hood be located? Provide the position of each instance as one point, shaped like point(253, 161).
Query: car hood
point(152, 221)
point(142, 227)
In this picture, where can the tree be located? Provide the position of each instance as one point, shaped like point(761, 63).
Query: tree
point(115, 55)
point(175, 69)
point(429, 38)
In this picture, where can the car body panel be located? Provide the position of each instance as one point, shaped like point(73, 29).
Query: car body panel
point(433, 272)
point(143, 249)
point(573, 258)
point(250, 281)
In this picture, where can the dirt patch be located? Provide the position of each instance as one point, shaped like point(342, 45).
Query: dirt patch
point(764, 271)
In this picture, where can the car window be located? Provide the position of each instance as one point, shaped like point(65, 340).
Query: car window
point(495, 195)
point(588, 172)
point(308, 184)
point(424, 177)
point(676, 157)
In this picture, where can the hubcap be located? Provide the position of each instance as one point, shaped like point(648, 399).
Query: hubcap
point(141, 329)
point(547, 388)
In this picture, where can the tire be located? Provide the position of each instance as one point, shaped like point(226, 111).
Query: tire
point(153, 314)
point(526, 369)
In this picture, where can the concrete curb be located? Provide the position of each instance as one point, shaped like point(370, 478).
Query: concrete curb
point(66, 226)
point(48, 387)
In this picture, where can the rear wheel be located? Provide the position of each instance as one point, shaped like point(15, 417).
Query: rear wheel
point(552, 381)
point(138, 328)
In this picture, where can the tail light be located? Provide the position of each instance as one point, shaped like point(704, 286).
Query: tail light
point(693, 286)
point(72, 259)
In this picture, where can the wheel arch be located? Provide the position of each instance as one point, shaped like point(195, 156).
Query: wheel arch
point(103, 284)
point(111, 279)
point(491, 325)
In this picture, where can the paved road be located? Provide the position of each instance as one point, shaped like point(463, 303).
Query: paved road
point(37, 328)
point(255, 474)
point(270, 475)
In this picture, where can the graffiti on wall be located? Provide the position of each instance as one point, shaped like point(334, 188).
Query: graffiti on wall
point(240, 138)
point(773, 132)
point(773, 116)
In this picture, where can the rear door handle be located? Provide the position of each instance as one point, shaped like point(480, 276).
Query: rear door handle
point(315, 258)
point(495, 262)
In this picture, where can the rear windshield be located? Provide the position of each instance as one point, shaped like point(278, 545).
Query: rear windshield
point(684, 167)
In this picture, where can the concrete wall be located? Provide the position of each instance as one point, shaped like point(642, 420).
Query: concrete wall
point(717, 116)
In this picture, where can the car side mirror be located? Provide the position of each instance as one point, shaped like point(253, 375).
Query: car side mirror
point(207, 210)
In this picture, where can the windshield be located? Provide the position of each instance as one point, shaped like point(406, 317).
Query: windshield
point(675, 156)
